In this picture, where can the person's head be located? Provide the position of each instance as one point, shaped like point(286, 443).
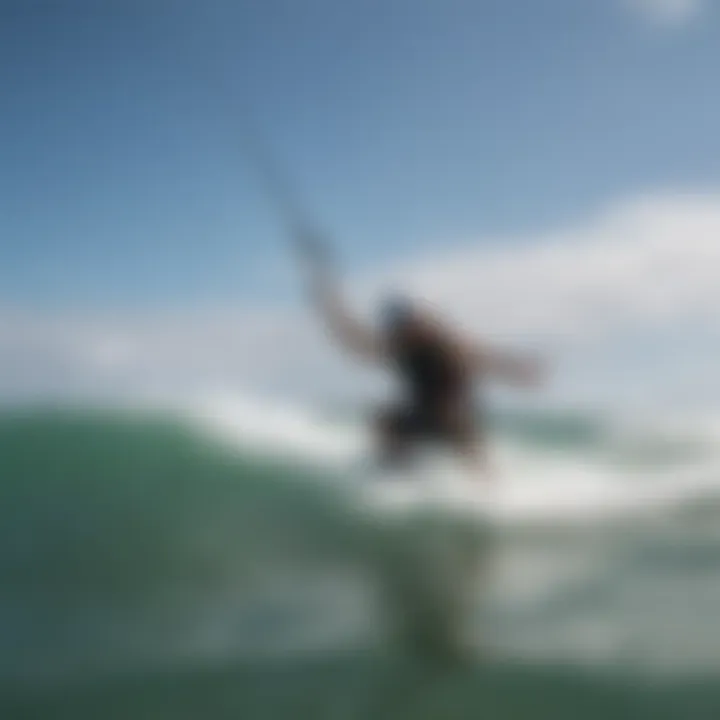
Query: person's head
point(401, 318)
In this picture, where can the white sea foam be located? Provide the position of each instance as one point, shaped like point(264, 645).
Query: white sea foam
point(527, 483)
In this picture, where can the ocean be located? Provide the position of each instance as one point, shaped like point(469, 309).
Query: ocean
point(228, 559)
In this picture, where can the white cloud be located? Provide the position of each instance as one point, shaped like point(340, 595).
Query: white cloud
point(668, 13)
point(643, 268)
point(644, 265)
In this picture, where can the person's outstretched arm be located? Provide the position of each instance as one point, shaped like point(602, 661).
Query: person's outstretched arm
point(350, 333)
point(517, 369)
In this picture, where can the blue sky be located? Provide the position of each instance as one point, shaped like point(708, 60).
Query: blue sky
point(414, 128)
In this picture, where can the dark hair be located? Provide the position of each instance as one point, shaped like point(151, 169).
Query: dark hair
point(395, 310)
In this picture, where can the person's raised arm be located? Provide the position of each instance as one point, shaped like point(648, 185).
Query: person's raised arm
point(327, 299)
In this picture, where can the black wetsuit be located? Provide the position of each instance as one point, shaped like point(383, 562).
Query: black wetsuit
point(438, 393)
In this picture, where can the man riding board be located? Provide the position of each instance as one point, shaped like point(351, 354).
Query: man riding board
point(438, 369)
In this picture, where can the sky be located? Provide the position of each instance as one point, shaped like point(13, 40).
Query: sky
point(544, 172)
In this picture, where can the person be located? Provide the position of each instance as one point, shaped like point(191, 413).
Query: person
point(438, 369)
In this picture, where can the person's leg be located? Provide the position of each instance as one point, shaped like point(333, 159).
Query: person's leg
point(392, 430)
point(461, 432)
point(470, 457)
